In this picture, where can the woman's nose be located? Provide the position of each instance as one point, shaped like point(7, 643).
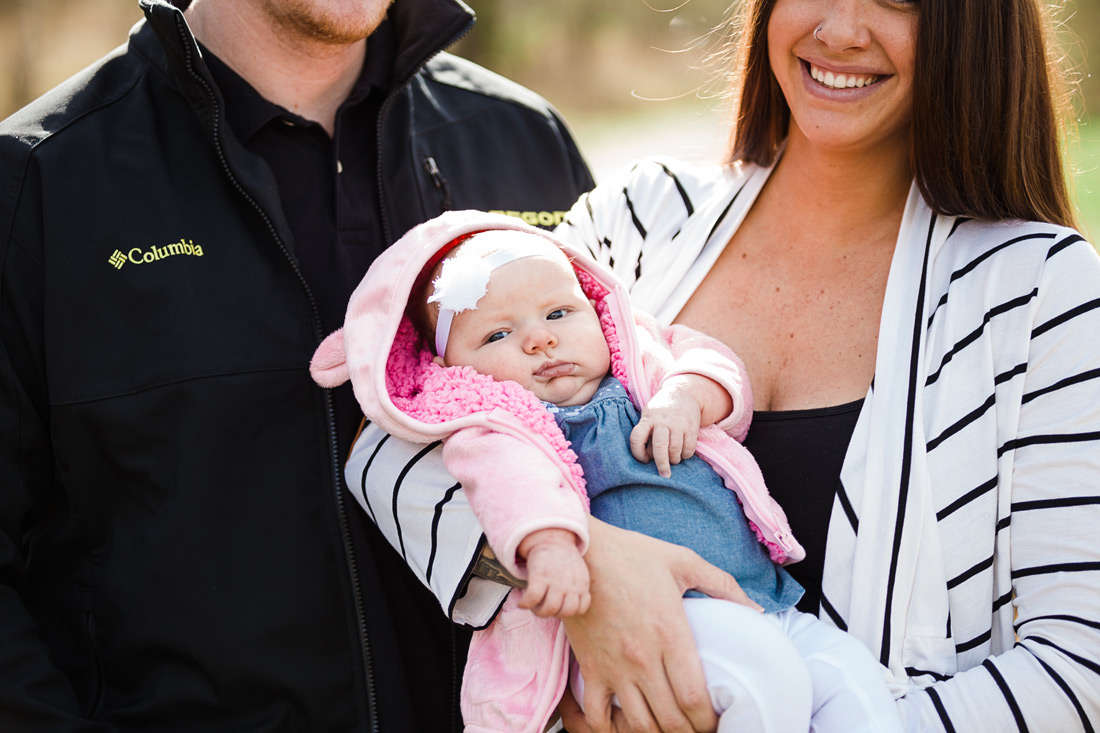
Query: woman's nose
point(844, 26)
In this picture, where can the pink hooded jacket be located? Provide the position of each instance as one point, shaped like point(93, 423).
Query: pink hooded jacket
point(505, 448)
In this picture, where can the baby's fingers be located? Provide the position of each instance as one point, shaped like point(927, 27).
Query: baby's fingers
point(667, 448)
point(533, 595)
point(574, 604)
point(660, 449)
point(639, 441)
point(551, 605)
point(690, 440)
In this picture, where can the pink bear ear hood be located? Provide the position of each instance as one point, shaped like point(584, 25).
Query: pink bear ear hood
point(379, 351)
point(329, 366)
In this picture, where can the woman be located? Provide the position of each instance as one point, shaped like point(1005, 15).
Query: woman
point(891, 255)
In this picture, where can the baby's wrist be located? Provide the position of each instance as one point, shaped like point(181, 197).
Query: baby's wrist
point(712, 399)
point(550, 537)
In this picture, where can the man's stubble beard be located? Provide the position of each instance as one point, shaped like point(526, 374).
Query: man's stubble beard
point(307, 19)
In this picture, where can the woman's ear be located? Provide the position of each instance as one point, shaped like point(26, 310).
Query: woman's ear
point(329, 367)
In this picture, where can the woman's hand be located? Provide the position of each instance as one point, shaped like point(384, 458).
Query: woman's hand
point(635, 642)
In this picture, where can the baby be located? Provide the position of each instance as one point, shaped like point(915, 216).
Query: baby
point(528, 362)
point(535, 326)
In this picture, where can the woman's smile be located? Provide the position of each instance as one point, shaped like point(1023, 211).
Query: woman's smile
point(840, 80)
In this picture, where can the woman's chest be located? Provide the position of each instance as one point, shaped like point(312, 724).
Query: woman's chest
point(806, 327)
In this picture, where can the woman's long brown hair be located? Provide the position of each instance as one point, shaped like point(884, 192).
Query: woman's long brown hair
point(991, 107)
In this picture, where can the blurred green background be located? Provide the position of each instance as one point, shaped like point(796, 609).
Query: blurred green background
point(629, 75)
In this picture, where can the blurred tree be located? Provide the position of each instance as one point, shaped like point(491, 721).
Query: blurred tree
point(1081, 32)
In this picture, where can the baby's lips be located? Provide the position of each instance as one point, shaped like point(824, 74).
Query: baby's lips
point(555, 369)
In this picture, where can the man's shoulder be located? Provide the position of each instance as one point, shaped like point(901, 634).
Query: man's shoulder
point(94, 88)
point(459, 73)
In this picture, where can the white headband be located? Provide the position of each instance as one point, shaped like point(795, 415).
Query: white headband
point(463, 282)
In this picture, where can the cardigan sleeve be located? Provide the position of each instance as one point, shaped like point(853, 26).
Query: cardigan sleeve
point(1050, 679)
point(514, 489)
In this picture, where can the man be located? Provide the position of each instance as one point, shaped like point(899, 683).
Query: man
point(179, 226)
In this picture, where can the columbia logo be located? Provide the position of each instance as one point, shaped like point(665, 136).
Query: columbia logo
point(139, 256)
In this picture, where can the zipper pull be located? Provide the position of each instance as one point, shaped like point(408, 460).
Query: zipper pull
point(439, 181)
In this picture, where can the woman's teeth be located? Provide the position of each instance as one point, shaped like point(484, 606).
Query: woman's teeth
point(841, 81)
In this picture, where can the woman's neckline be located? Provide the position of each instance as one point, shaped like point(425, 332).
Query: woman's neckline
point(810, 412)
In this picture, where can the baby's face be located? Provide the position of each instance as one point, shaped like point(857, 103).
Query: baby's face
point(536, 327)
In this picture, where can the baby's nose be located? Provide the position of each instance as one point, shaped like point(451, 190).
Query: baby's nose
point(540, 339)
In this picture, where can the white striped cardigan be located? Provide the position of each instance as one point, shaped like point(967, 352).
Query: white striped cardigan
point(962, 546)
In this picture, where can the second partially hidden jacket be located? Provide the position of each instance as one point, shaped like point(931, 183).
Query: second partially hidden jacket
point(509, 455)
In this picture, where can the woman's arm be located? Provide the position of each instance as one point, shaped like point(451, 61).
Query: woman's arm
point(1050, 679)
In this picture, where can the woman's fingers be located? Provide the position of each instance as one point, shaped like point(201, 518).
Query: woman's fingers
point(572, 717)
point(635, 641)
point(694, 573)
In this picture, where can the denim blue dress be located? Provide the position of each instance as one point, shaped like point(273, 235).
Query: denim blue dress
point(693, 508)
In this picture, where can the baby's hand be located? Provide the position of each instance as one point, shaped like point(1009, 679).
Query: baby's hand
point(669, 426)
point(557, 576)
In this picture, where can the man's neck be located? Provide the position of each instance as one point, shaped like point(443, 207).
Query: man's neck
point(306, 75)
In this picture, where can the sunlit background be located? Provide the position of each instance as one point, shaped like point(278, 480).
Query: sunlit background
point(629, 75)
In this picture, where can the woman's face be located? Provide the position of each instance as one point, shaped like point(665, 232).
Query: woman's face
point(852, 86)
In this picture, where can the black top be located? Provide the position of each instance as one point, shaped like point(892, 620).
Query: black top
point(800, 453)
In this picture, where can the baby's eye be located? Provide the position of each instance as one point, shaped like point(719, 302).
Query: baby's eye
point(555, 314)
point(496, 336)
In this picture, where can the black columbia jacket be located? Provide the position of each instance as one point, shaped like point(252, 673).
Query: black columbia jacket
point(176, 550)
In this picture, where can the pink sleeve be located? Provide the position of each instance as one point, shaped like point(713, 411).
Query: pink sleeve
point(513, 489)
point(687, 351)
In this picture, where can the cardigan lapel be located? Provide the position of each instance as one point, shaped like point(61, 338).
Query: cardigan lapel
point(884, 580)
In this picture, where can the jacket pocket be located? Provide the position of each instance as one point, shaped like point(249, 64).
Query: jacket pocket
point(96, 683)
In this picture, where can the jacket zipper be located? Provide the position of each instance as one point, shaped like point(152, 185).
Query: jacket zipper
point(440, 182)
point(341, 510)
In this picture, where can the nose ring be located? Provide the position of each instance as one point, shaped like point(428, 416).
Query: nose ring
point(816, 31)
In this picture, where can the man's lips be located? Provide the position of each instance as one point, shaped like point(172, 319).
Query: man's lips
point(553, 369)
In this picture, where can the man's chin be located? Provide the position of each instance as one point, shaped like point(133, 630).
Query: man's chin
point(328, 21)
